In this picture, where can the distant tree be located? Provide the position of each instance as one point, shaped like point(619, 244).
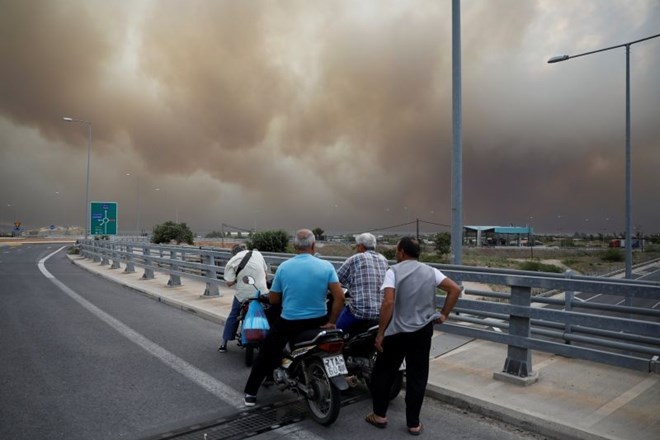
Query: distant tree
point(168, 231)
point(442, 242)
point(214, 234)
point(269, 241)
point(318, 233)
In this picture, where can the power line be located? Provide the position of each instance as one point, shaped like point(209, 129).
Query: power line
point(384, 228)
point(432, 223)
point(236, 227)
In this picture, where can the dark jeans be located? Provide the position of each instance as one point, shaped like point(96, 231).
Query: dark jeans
point(351, 325)
point(270, 353)
point(231, 325)
point(415, 347)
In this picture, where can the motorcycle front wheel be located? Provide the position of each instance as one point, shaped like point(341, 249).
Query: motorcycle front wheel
point(324, 399)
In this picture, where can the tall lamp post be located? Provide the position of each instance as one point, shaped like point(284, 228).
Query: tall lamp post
point(457, 135)
point(89, 152)
point(628, 154)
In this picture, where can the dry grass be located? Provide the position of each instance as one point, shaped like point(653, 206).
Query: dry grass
point(585, 262)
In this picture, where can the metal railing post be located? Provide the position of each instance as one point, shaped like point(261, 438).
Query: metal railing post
point(518, 364)
point(568, 306)
point(175, 280)
point(148, 268)
point(114, 250)
point(211, 287)
point(96, 257)
point(104, 255)
point(130, 261)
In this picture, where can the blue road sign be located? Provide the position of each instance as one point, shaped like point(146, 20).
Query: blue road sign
point(104, 218)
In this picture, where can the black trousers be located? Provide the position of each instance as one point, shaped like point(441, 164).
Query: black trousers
point(415, 347)
point(270, 353)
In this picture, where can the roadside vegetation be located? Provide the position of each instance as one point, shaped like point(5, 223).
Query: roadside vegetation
point(586, 255)
point(586, 261)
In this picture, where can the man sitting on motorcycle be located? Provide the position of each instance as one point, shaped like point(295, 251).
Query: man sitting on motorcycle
point(363, 274)
point(301, 285)
point(254, 266)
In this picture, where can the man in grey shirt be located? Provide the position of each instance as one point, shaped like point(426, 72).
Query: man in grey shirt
point(405, 329)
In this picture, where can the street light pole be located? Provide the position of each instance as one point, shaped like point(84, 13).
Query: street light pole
point(457, 149)
point(628, 189)
point(89, 153)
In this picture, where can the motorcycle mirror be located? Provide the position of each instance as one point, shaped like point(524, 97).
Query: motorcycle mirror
point(248, 280)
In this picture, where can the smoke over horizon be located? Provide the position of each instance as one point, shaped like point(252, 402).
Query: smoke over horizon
point(331, 114)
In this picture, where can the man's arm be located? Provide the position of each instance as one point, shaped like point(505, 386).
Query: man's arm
point(453, 293)
point(386, 310)
point(344, 272)
point(230, 270)
point(274, 297)
point(337, 304)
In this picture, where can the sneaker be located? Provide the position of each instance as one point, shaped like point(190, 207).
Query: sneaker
point(250, 400)
point(223, 348)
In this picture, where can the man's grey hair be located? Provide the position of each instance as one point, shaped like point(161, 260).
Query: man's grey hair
point(304, 239)
point(367, 240)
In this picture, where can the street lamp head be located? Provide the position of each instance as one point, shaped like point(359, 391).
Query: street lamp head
point(68, 119)
point(558, 58)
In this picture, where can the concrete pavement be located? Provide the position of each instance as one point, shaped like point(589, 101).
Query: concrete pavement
point(572, 399)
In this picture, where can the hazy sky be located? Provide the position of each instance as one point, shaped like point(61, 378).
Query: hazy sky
point(332, 114)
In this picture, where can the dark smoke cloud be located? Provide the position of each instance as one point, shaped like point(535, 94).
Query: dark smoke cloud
point(336, 114)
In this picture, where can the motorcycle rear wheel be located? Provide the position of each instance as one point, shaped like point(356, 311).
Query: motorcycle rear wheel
point(324, 400)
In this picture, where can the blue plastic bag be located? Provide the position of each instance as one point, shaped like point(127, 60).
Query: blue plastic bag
point(255, 324)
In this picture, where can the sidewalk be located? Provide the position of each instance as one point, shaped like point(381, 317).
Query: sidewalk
point(572, 399)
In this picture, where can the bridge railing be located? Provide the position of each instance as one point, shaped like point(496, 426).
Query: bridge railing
point(624, 332)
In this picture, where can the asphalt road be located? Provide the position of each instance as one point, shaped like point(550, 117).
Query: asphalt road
point(83, 358)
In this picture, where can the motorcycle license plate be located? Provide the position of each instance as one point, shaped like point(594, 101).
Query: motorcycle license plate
point(334, 365)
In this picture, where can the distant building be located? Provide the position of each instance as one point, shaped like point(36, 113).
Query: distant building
point(496, 235)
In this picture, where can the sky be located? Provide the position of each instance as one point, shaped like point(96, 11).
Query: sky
point(332, 114)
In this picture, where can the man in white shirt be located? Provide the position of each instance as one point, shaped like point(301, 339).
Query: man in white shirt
point(255, 267)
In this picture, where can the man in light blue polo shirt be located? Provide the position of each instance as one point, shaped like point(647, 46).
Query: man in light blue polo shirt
point(301, 284)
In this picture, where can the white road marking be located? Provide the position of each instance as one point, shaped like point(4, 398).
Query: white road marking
point(207, 382)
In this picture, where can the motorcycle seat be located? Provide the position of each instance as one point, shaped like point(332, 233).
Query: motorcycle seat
point(307, 337)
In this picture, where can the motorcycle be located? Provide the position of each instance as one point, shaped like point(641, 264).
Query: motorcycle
point(360, 356)
point(314, 367)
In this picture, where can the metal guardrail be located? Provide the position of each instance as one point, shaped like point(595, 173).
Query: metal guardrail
point(625, 335)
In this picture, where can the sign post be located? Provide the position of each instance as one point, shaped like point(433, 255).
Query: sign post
point(103, 218)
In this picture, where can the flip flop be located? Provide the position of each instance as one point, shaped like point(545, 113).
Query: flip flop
point(418, 432)
point(371, 419)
